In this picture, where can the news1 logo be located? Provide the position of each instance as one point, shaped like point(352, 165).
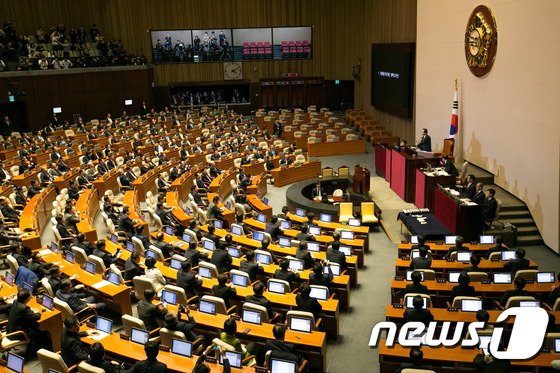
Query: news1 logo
point(527, 334)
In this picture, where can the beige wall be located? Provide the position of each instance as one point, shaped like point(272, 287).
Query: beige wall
point(508, 120)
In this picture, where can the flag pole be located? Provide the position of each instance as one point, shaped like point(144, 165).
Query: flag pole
point(458, 137)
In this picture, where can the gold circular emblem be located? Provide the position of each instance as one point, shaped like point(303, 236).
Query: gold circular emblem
point(481, 41)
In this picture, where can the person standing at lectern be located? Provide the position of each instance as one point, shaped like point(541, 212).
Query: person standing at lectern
point(425, 142)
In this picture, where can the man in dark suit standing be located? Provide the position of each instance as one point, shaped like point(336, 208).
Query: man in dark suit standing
point(425, 142)
point(470, 188)
point(278, 128)
point(317, 192)
point(150, 365)
point(479, 196)
point(489, 207)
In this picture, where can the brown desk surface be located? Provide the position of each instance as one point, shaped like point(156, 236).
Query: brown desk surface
point(320, 149)
point(331, 226)
point(291, 174)
point(479, 287)
point(434, 247)
point(443, 266)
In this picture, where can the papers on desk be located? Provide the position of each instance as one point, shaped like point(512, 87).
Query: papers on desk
point(99, 336)
point(45, 252)
point(100, 284)
point(471, 203)
point(454, 192)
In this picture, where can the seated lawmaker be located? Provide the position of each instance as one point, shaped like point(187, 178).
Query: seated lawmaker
point(489, 207)
point(320, 278)
point(458, 247)
point(306, 303)
point(149, 312)
point(517, 264)
point(279, 348)
point(151, 364)
point(519, 284)
point(418, 313)
point(259, 298)
point(449, 166)
point(284, 273)
point(463, 289)
point(422, 261)
point(475, 262)
point(416, 286)
point(499, 241)
point(469, 188)
point(416, 357)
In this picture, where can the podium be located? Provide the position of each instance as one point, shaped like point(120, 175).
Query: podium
point(360, 181)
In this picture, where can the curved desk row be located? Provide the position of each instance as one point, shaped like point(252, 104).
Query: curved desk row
point(291, 174)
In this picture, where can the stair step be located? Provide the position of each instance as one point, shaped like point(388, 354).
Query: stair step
point(529, 240)
point(506, 207)
point(523, 231)
point(522, 222)
point(514, 214)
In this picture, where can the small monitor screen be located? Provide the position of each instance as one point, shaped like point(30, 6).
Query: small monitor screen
point(502, 278)
point(175, 263)
point(139, 336)
point(557, 345)
point(529, 303)
point(234, 252)
point(464, 256)
point(450, 240)
point(14, 363)
point(47, 302)
point(169, 297)
point(262, 258)
point(409, 274)
point(27, 286)
point(261, 218)
point(181, 347)
point(415, 254)
point(129, 246)
point(235, 359)
point(168, 230)
point(347, 250)
point(486, 239)
point(318, 293)
point(284, 224)
point(471, 305)
point(300, 324)
point(414, 240)
point(186, 237)
point(236, 230)
point(454, 277)
point(228, 205)
point(410, 302)
point(239, 280)
point(276, 287)
point(70, 256)
point(204, 272)
point(90, 267)
point(284, 242)
point(127, 102)
point(300, 212)
point(354, 222)
point(258, 236)
point(484, 343)
point(9, 278)
point(208, 245)
point(282, 366)
point(250, 316)
point(151, 254)
point(103, 324)
point(347, 235)
point(265, 200)
point(335, 269)
point(508, 255)
point(218, 224)
point(57, 110)
point(314, 230)
point(207, 307)
point(325, 218)
point(313, 246)
point(545, 277)
point(54, 247)
point(113, 277)
point(114, 238)
point(296, 264)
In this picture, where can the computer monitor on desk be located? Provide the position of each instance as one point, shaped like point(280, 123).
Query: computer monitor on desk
point(450, 240)
point(300, 324)
point(181, 347)
point(282, 366)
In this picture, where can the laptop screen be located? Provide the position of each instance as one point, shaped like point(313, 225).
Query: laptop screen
point(139, 336)
point(261, 218)
point(508, 255)
point(484, 343)
point(284, 242)
point(234, 252)
point(347, 250)
point(471, 305)
point(557, 345)
point(218, 224)
point(103, 324)
point(169, 297)
point(265, 200)
point(90, 267)
point(151, 254)
point(326, 218)
point(250, 316)
point(529, 303)
point(409, 274)
point(415, 254)
point(29, 288)
point(314, 230)
point(354, 222)
point(14, 363)
point(414, 240)
point(259, 236)
point(208, 245)
point(129, 246)
point(545, 277)
point(284, 224)
point(187, 237)
point(410, 302)
point(335, 269)
point(114, 238)
point(262, 258)
point(300, 324)
point(168, 230)
point(228, 205)
point(204, 272)
point(486, 239)
point(502, 278)
point(236, 230)
point(113, 278)
point(69, 257)
point(207, 307)
point(54, 247)
point(276, 287)
point(450, 240)
point(239, 280)
point(300, 212)
point(318, 293)
point(464, 256)
point(313, 246)
point(234, 358)
point(296, 264)
point(347, 235)
point(175, 263)
point(282, 366)
point(9, 278)
point(47, 302)
point(454, 276)
point(181, 347)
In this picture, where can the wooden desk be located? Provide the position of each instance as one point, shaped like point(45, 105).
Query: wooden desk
point(130, 199)
point(291, 174)
point(107, 182)
point(460, 218)
point(403, 168)
point(439, 250)
point(25, 180)
point(61, 182)
point(253, 169)
point(426, 183)
point(443, 267)
point(88, 206)
point(172, 200)
point(258, 185)
point(259, 205)
point(35, 215)
point(116, 297)
point(222, 183)
point(320, 149)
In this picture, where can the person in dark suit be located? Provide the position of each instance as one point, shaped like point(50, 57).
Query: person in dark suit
point(519, 284)
point(425, 142)
point(449, 166)
point(83, 244)
point(71, 349)
point(166, 249)
point(139, 233)
point(33, 189)
point(126, 224)
point(463, 289)
point(187, 280)
point(320, 278)
point(554, 294)
point(149, 312)
point(277, 130)
point(518, 263)
point(132, 267)
point(175, 323)
point(285, 161)
point(193, 255)
point(475, 261)
point(258, 298)
point(417, 313)
point(222, 290)
point(416, 357)
point(334, 255)
point(306, 303)
point(21, 317)
point(421, 243)
point(284, 273)
point(317, 192)
point(458, 247)
point(77, 300)
point(479, 196)
point(422, 261)
point(469, 188)
point(416, 286)
point(489, 207)
point(214, 212)
point(279, 348)
point(221, 258)
point(249, 266)
point(73, 192)
point(499, 241)
point(303, 235)
point(303, 254)
point(150, 365)
point(97, 359)
point(44, 176)
point(488, 363)
point(63, 231)
point(273, 228)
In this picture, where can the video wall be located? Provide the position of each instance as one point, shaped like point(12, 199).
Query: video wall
point(220, 45)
